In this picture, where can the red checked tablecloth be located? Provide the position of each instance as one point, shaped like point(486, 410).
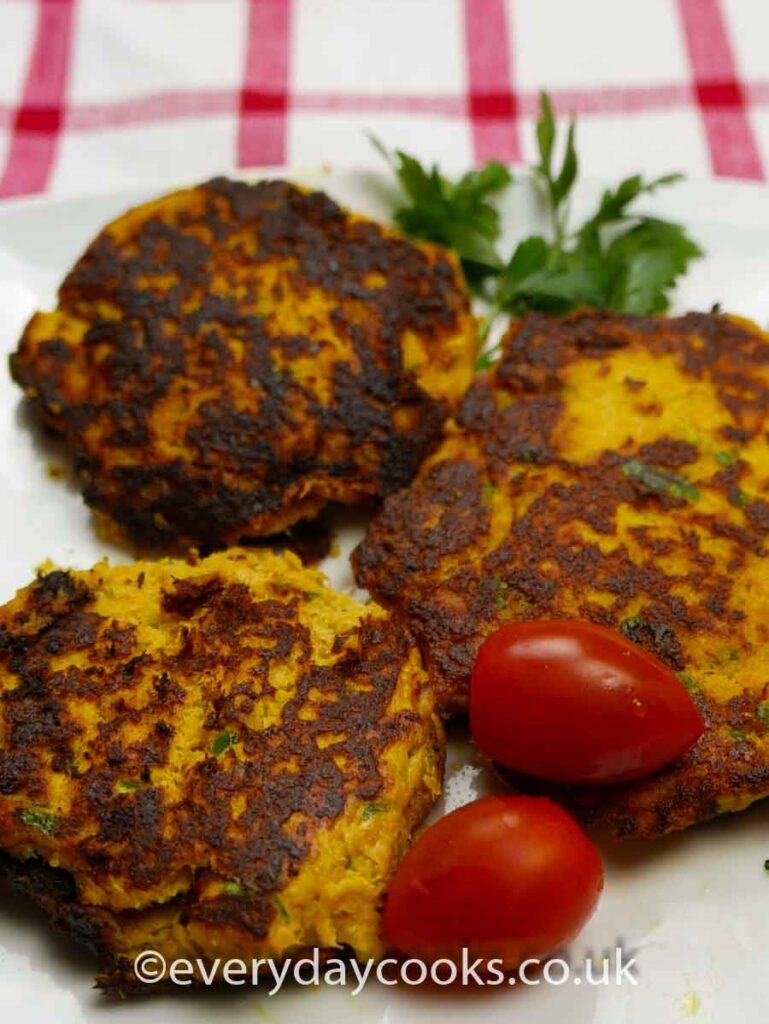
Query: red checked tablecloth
point(96, 94)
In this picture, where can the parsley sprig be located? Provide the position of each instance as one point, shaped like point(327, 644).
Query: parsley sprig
point(618, 258)
point(457, 214)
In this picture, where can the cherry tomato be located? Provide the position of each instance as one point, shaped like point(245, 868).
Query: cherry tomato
point(506, 876)
point(571, 701)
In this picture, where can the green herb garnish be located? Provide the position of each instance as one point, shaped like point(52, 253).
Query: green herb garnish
point(42, 821)
point(738, 734)
point(233, 888)
point(654, 479)
point(126, 785)
point(372, 809)
point(486, 360)
point(224, 741)
point(281, 907)
point(762, 712)
point(618, 258)
point(501, 588)
point(740, 499)
point(628, 625)
point(456, 214)
point(691, 684)
point(724, 459)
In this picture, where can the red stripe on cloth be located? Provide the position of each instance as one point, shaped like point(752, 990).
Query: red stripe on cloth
point(153, 108)
point(38, 118)
point(609, 99)
point(264, 96)
point(733, 149)
point(176, 105)
point(173, 106)
point(492, 103)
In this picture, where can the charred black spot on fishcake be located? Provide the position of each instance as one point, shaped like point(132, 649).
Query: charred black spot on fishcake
point(57, 592)
point(757, 513)
point(657, 637)
point(16, 769)
point(669, 452)
point(55, 891)
point(186, 596)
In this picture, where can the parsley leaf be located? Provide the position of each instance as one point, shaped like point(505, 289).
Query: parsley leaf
point(457, 214)
point(653, 479)
point(282, 908)
point(372, 809)
point(39, 819)
point(618, 258)
point(223, 741)
point(644, 262)
point(557, 186)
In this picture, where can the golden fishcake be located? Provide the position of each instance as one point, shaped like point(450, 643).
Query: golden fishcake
point(616, 469)
point(226, 360)
point(217, 758)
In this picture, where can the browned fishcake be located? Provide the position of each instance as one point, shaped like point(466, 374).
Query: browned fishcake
point(215, 758)
point(615, 469)
point(226, 360)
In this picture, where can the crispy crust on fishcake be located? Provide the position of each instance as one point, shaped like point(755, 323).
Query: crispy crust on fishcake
point(223, 755)
point(616, 469)
point(226, 360)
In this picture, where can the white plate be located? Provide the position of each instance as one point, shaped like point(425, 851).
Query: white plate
point(693, 906)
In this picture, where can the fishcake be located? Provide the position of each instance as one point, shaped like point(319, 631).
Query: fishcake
point(214, 758)
point(611, 468)
point(226, 360)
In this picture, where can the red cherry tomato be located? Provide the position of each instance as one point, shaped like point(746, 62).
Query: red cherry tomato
point(571, 701)
point(508, 877)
